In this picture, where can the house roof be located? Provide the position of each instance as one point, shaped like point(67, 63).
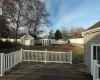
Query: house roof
point(92, 29)
point(27, 36)
point(96, 25)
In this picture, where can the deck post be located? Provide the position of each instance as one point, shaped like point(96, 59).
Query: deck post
point(2, 64)
point(71, 57)
point(21, 54)
point(45, 55)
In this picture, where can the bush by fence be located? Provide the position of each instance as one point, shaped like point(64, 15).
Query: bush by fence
point(7, 44)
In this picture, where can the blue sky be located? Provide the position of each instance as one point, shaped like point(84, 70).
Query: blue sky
point(73, 13)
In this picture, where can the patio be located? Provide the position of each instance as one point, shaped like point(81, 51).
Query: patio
point(42, 71)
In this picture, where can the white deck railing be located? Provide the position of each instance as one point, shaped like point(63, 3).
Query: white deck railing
point(7, 61)
point(11, 59)
point(47, 56)
point(96, 71)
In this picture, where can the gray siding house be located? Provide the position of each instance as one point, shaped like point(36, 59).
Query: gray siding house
point(92, 47)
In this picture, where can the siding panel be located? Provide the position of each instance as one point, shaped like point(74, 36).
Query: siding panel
point(93, 38)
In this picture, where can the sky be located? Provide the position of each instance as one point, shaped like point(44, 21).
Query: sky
point(72, 13)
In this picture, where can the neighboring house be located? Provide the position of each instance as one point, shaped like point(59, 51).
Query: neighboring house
point(92, 50)
point(27, 40)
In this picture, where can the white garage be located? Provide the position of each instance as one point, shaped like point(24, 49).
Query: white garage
point(27, 40)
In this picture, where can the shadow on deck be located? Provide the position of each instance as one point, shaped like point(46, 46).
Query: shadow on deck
point(42, 71)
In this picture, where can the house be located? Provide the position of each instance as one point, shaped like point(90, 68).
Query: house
point(92, 50)
point(27, 39)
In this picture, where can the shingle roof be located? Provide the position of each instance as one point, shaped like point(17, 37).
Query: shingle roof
point(96, 25)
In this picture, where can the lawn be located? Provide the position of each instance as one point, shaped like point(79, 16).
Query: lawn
point(77, 51)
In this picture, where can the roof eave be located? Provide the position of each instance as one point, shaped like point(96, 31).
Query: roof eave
point(91, 31)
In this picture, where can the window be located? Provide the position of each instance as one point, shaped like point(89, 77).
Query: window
point(94, 52)
point(99, 73)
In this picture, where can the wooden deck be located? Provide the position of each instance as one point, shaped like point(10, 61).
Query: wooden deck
point(42, 71)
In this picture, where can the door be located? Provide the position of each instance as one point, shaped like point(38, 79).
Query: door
point(27, 42)
point(95, 59)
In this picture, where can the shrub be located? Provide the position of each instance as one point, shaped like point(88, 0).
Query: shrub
point(0, 41)
point(8, 44)
point(15, 44)
point(68, 41)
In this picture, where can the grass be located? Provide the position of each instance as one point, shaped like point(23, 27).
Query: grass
point(8, 50)
point(78, 55)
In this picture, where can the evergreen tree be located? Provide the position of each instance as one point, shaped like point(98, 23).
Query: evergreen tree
point(58, 35)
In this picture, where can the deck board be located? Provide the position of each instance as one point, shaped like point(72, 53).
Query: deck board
point(42, 71)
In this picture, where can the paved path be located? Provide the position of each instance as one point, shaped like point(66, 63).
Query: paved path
point(42, 71)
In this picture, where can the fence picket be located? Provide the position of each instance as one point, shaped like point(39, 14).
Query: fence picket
point(52, 57)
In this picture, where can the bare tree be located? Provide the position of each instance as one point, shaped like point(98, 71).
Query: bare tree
point(41, 14)
point(27, 13)
point(51, 34)
point(77, 32)
point(4, 28)
point(35, 16)
point(13, 10)
point(65, 33)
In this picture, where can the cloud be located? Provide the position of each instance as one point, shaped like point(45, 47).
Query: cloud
point(70, 13)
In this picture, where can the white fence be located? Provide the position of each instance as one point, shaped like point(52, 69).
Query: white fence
point(38, 41)
point(53, 41)
point(11, 59)
point(96, 71)
point(49, 41)
point(47, 56)
point(77, 41)
point(7, 61)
